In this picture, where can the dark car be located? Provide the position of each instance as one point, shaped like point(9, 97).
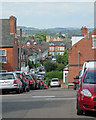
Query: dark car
point(75, 86)
point(86, 94)
point(25, 82)
point(31, 81)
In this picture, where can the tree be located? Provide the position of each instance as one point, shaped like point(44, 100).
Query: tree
point(65, 57)
point(31, 64)
point(41, 36)
point(59, 58)
point(49, 66)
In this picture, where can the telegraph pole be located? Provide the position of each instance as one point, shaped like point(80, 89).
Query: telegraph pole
point(20, 48)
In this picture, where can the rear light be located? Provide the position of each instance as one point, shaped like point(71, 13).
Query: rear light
point(15, 82)
point(31, 81)
point(21, 76)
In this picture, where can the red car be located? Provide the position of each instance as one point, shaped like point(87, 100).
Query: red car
point(86, 93)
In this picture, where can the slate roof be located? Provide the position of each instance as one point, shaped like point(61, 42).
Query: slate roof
point(57, 43)
point(6, 40)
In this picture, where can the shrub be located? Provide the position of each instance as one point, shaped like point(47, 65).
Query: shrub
point(53, 74)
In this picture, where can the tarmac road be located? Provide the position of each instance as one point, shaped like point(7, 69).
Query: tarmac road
point(50, 103)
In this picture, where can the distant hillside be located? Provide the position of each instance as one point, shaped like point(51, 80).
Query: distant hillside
point(50, 31)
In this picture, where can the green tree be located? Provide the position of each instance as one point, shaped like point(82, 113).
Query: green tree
point(49, 66)
point(41, 36)
point(59, 58)
point(65, 57)
point(31, 64)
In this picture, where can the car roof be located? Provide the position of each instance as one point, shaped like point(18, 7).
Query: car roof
point(7, 73)
point(18, 72)
point(55, 78)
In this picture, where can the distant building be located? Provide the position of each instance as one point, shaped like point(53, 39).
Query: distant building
point(48, 39)
point(8, 44)
point(56, 47)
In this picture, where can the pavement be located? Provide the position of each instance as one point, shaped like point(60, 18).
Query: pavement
point(48, 103)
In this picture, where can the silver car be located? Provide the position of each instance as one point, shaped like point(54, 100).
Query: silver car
point(10, 82)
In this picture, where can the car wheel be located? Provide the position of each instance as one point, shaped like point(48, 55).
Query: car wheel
point(28, 89)
point(74, 87)
point(25, 89)
point(79, 111)
point(18, 91)
point(21, 90)
point(87, 112)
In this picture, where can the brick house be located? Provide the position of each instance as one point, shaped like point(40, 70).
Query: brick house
point(56, 47)
point(8, 44)
point(82, 50)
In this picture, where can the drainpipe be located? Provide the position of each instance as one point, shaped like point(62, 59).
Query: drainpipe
point(79, 60)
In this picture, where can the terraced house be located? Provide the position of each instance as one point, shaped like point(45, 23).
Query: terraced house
point(82, 50)
point(8, 44)
point(56, 47)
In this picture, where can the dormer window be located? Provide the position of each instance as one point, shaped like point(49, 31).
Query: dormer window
point(94, 41)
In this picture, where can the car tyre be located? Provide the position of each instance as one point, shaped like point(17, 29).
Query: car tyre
point(18, 91)
point(28, 89)
point(74, 87)
point(79, 111)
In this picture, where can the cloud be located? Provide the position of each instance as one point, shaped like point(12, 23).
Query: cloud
point(48, 0)
point(49, 14)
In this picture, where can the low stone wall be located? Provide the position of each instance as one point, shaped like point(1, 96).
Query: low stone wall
point(65, 86)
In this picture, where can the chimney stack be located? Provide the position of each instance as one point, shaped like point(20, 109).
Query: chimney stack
point(83, 31)
point(12, 24)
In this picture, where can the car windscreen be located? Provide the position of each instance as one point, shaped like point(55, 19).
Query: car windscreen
point(18, 75)
point(28, 77)
point(6, 76)
point(90, 77)
point(55, 80)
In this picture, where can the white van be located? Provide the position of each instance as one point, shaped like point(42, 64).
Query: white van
point(88, 64)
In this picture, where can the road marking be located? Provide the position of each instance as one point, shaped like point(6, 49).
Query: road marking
point(43, 96)
point(60, 98)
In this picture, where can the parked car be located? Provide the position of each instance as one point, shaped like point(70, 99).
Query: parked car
point(55, 82)
point(32, 71)
point(10, 82)
point(75, 86)
point(31, 81)
point(43, 84)
point(34, 79)
point(25, 82)
point(37, 81)
point(42, 74)
point(36, 70)
point(86, 94)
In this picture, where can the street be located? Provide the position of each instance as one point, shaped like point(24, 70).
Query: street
point(50, 103)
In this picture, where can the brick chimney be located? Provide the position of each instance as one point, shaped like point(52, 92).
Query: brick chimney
point(83, 31)
point(12, 24)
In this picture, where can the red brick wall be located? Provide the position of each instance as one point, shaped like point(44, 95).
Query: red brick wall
point(12, 53)
point(86, 53)
point(9, 65)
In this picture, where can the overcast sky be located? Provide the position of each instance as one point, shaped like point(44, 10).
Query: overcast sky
point(50, 14)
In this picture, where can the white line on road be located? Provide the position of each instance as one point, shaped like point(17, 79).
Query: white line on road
point(60, 98)
point(43, 96)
